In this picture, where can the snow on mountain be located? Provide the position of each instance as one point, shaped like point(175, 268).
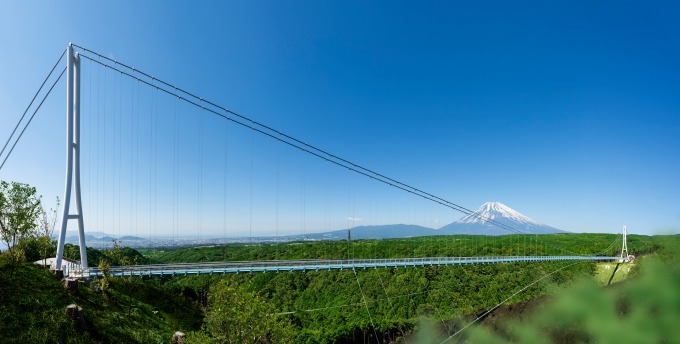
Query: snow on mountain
point(485, 219)
point(497, 210)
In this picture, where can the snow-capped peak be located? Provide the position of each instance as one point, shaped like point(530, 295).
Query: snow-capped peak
point(495, 211)
point(495, 218)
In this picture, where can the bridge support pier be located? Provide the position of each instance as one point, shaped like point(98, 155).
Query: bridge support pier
point(72, 159)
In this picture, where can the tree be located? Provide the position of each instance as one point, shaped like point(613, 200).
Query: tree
point(19, 211)
point(236, 315)
point(46, 223)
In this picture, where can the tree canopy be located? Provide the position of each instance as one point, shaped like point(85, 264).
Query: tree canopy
point(19, 211)
point(236, 315)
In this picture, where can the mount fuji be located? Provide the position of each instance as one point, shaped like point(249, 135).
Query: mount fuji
point(478, 223)
point(482, 222)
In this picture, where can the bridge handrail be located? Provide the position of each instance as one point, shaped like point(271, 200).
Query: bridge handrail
point(312, 264)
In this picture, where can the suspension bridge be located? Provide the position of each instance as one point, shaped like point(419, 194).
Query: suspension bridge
point(156, 138)
point(312, 265)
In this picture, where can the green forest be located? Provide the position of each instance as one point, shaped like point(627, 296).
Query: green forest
point(348, 306)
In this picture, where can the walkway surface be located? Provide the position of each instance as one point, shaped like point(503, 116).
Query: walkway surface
point(313, 265)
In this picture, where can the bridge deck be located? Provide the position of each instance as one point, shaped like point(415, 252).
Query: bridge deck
point(312, 265)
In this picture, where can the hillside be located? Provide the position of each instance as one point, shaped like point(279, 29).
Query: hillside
point(33, 307)
point(434, 246)
point(376, 232)
point(315, 306)
point(328, 306)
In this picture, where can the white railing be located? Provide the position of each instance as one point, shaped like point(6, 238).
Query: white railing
point(310, 264)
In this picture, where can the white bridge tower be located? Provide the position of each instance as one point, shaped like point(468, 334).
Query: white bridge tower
point(72, 158)
point(625, 256)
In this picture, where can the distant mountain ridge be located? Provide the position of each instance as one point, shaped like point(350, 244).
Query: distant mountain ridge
point(96, 238)
point(481, 222)
point(376, 232)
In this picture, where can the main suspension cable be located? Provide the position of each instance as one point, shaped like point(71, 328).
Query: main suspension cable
point(31, 103)
point(31, 119)
point(298, 144)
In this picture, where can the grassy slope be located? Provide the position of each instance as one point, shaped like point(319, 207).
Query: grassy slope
point(32, 308)
point(604, 272)
point(33, 302)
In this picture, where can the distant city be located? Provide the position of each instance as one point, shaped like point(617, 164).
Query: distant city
point(107, 241)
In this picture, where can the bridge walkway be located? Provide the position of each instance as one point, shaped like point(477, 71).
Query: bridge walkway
point(312, 265)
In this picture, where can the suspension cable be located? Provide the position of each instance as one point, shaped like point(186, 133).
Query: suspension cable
point(31, 119)
point(363, 297)
point(507, 299)
point(31, 103)
point(298, 144)
point(255, 123)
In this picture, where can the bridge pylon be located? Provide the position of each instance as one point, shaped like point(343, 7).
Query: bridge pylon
point(625, 256)
point(72, 159)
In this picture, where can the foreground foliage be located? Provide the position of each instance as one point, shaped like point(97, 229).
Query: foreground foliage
point(645, 310)
point(236, 315)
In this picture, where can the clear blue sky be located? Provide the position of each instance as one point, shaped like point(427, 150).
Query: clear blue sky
point(568, 113)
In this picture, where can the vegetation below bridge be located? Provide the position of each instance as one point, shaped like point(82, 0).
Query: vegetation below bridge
point(385, 305)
